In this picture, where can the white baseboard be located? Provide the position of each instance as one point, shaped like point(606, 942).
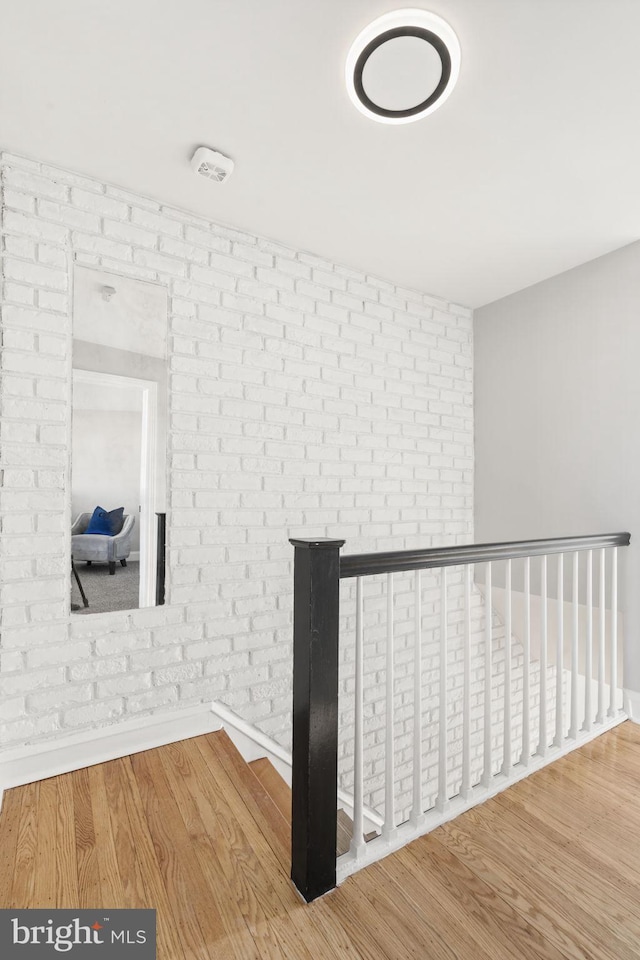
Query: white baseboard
point(632, 705)
point(43, 760)
point(252, 744)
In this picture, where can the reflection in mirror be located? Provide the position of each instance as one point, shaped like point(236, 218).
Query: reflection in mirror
point(118, 442)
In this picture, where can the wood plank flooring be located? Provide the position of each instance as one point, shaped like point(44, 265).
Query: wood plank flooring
point(549, 870)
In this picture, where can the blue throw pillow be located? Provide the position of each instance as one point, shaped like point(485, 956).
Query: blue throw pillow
point(106, 523)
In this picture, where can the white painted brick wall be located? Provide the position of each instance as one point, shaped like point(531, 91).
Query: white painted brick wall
point(306, 399)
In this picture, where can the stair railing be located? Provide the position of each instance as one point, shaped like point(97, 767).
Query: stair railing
point(509, 725)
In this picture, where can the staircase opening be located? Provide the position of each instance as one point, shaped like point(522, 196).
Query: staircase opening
point(415, 696)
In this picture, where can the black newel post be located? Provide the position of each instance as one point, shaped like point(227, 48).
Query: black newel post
point(316, 584)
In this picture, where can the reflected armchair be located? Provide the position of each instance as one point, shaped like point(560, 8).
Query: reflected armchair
point(99, 548)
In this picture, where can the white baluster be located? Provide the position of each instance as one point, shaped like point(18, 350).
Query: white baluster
point(560, 655)
point(588, 647)
point(506, 751)
point(389, 765)
point(443, 793)
point(575, 632)
point(465, 786)
point(526, 676)
point(544, 612)
point(488, 632)
point(357, 841)
point(613, 674)
point(602, 599)
point(417, 813)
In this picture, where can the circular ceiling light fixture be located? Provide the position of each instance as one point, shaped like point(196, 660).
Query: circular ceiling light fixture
point(403, 66)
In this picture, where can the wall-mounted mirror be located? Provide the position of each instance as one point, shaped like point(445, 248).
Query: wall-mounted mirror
point(119, 442)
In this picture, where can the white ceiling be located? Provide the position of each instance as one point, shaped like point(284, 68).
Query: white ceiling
point(530, 167)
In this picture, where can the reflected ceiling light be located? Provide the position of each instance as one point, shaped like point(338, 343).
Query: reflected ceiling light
point(403, 66)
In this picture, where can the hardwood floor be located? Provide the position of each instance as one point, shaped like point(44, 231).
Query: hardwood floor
point(549, 870)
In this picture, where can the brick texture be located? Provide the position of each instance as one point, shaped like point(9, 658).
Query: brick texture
point(306, 399)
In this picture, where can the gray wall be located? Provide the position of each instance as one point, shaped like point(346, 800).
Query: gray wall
point(557, 405)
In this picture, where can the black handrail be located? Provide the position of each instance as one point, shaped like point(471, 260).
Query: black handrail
point(366, 564)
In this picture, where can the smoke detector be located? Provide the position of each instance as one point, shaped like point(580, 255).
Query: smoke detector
point(212, 165)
